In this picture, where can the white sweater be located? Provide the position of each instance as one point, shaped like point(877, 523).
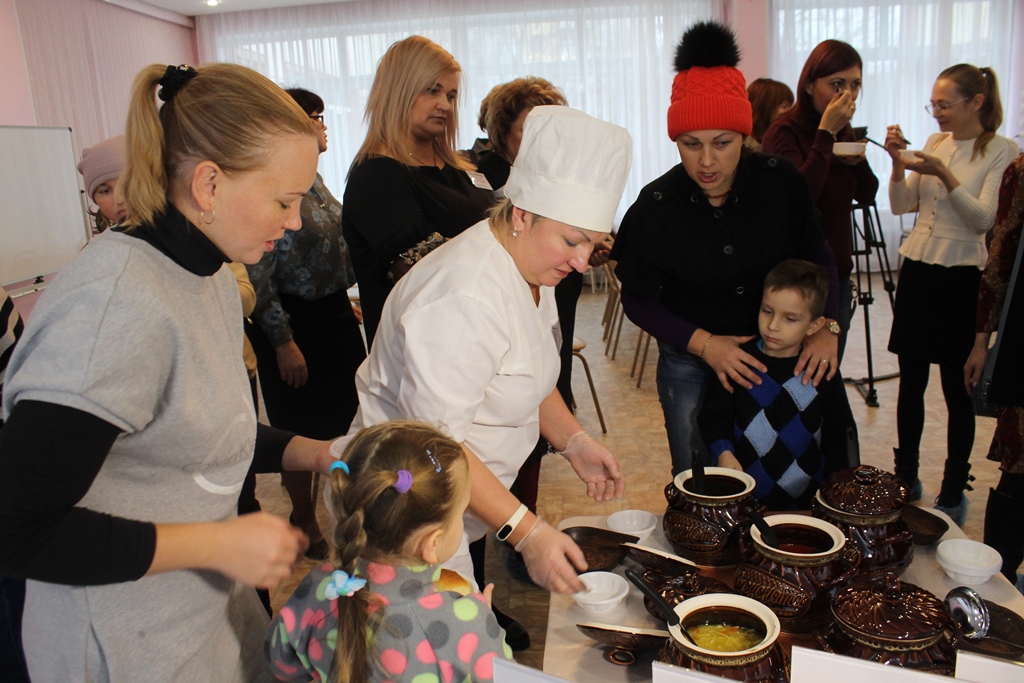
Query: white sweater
point(950, 226)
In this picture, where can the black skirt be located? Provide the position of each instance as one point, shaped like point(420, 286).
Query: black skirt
point(934, 318)
point(327, 333)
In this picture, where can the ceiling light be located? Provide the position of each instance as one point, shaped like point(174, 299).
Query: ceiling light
point(212, 3)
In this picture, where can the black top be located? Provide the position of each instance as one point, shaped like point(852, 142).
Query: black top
point(495, 167)
point(707, 264)
point(50, 456)
point(390, 207)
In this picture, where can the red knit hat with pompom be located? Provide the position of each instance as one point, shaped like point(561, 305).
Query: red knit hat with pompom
point(709, 92)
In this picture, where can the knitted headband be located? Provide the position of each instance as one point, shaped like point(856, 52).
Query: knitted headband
point(709, 92)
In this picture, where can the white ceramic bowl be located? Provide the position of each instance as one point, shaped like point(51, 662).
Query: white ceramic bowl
point(969, 562)
point(639, 523)
point(910, 155)
point(849, 149)
point(604, 590)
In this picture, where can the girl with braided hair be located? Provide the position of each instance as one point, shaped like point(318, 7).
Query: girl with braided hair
point(380, 611)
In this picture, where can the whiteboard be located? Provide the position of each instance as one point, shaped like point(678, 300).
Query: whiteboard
point(43, 223)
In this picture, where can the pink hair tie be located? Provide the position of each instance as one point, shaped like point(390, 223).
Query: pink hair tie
point(404, 482)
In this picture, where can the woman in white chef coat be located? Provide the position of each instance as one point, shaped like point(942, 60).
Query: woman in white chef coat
point(469, 338)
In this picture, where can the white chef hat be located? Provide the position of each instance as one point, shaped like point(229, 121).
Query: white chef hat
point(570, 168)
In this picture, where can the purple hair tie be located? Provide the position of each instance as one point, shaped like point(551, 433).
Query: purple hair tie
point(404, 482)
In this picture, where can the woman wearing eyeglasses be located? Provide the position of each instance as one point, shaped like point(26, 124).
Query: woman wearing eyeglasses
point(306, 337)
point(954, 183)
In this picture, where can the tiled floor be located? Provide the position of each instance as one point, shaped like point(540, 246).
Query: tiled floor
point(637, 437)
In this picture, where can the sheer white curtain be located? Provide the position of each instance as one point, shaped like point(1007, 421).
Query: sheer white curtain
point(904, 46)
point(612, 59)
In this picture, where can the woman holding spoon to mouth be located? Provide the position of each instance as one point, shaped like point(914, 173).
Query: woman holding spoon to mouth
point(955, 185)
point(806, 134)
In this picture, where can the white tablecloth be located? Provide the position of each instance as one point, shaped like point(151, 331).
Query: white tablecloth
point(571, 655)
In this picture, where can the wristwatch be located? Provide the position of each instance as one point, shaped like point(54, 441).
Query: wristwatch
point(834, 328)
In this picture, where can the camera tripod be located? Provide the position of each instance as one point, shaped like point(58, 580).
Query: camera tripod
point(867, 241)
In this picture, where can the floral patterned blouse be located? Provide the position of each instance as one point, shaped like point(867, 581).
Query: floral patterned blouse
point(310, 263)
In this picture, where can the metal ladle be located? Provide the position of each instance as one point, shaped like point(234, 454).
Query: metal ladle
point(970, 611)
point(671, 617)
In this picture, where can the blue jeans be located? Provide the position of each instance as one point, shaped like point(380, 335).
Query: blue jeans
point(682, 378)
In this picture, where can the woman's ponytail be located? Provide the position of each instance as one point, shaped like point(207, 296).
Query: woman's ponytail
point(144, 180)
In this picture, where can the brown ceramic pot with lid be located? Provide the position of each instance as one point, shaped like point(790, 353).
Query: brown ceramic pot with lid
point(763, 662)
point(797, 580)
point(885, 620)
point(706, 526)
point(866, 504)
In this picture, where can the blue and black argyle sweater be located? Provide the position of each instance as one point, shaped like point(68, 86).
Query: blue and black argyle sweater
point(788, 436)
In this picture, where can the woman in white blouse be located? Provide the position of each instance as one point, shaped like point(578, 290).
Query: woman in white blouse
point(468, 340)
point(954, 184)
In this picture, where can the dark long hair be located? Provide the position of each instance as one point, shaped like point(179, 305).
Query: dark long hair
point(828, 57)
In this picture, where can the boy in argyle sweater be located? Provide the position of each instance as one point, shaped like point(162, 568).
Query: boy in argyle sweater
point(786, 435)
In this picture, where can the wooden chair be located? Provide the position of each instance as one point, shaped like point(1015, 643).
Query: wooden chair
point(577, 350)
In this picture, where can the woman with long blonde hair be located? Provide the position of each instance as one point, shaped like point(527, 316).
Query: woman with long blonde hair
point(407, 181)
point(129, 423)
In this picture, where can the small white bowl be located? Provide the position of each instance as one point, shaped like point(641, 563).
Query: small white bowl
point(639, 523)
point(910, 155)
point(969, 562)
point(849, 149)
point(604, 590)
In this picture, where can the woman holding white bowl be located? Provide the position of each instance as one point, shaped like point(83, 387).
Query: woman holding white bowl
point(955, 186)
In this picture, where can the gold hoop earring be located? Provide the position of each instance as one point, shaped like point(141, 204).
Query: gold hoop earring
point(213, 217)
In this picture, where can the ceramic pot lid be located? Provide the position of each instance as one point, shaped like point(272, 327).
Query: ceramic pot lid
point(891, 611)
point(864, 490)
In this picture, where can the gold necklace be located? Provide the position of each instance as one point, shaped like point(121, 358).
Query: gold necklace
point(433, 154)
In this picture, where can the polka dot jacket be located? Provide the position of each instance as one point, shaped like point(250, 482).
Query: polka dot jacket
point(426, 636)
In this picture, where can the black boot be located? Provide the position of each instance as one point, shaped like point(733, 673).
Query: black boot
point(951, 499)
point(1004, 519)
point(906, 469)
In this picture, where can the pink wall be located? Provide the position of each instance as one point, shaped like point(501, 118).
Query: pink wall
point(16, 105)
point(749, 19)
point(71, 63)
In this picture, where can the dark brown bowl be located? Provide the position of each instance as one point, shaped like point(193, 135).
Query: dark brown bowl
point(624, 637)
point(602, 548)
point(924, 526)
point(660, 561)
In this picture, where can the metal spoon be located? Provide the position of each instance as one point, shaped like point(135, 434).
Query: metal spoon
point(666, 609)
point(768, 534)
point(969, 609)
point(881, 145)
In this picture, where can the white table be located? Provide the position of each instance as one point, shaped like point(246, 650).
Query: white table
point(571, 655)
